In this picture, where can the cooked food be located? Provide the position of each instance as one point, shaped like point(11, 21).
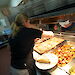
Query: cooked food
point(65, 54)
point(72, 70)
point(47, 45)
point(40, 40)
point(43, 59)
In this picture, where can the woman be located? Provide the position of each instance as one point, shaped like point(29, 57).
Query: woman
point(21, 46)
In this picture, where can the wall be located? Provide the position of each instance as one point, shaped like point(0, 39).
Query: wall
point(4, 23)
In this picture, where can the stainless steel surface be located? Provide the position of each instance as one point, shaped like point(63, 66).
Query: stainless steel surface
point(58, 71)
point(69, 65)
point(66, 36)
point(62, 70)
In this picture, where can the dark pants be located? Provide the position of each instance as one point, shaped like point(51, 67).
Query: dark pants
point(42, 72)
point(30, 64)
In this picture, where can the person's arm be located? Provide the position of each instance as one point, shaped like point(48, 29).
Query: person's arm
point(47, 34)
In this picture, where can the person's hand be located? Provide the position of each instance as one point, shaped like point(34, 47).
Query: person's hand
point(47, 34)
point(37, 39)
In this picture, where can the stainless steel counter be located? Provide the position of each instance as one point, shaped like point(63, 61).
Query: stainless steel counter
point(3, 44)
point(62, 70)
point(66, 36)
point(56, 70)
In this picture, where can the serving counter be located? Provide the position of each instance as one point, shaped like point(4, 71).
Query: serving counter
point(64, 70)
point(66, 36)
point(3, 41)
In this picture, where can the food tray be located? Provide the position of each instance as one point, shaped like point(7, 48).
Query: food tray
point(47, 45)
point(65, 52)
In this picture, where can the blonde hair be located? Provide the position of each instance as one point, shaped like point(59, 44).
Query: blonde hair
point(15, 26)
point(20, 18)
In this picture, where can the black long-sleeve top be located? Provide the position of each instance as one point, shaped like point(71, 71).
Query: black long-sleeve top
point(21, 45)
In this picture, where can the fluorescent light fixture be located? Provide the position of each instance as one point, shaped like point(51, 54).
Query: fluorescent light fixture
point(14, 3)
point(9, 3)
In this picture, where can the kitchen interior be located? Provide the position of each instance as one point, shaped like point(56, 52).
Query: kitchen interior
point(44, 13)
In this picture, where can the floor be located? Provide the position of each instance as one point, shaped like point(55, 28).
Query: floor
point(4, 61)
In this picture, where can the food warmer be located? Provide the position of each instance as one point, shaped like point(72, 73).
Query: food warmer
point(66, 54)
point(65, 70)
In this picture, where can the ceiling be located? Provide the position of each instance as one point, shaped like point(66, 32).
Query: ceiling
point(11, 3)
point(53, 19)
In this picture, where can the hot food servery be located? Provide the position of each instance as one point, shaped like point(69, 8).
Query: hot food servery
point(65, 52)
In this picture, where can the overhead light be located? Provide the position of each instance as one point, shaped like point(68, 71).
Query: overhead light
point(14, 3)
point(9, 3)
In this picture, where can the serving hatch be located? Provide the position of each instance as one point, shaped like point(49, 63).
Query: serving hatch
point(63, 48)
